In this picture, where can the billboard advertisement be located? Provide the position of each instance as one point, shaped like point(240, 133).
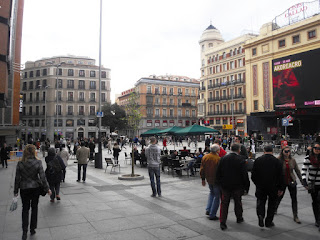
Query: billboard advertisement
point(296, 80)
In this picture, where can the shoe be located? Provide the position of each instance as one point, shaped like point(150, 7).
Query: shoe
point(58, 197)
point(223, 226)
point(261, 222)
point(269, 225)
point(32, 232)
point(159, 195)
point(84, 180)
point(52, 200)
point(296, 219)
point(207, 213)
point(78, 180)
point(214, 218)
point(240, 220)
point(153, 195)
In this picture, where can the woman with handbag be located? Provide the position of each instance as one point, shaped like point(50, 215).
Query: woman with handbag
point(311, 168)
point(29, 179)
point(290, 165)
point(54, 171)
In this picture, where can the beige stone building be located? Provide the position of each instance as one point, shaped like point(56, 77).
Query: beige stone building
point(61, 97)
point(223, 82)
point(282, 72)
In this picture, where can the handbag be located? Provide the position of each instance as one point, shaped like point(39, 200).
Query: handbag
point(42, 190)
point(14, 204)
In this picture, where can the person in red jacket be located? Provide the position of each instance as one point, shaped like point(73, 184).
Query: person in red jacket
point(222, 151)
point(164, 143)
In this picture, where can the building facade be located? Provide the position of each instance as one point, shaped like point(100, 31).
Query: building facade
point(222, 91)
point(61, 98)
point(282, 74)
point(11, 16)
point(167, 101)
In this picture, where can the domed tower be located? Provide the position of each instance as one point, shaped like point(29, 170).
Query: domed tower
point(210, 38)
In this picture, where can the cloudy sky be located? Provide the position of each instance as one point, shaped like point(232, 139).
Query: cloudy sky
point(140, 37)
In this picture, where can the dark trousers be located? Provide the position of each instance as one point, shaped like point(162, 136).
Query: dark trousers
point(55, 189)
point(225, 201)
point(155, 171)
point(316, 203)
point(262, 196)
point(63, 174)
point(294, 202)
point(4, 162)
point(84, 171)
point(29, 198)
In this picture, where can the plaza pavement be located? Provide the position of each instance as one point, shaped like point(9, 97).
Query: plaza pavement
point(107, 208)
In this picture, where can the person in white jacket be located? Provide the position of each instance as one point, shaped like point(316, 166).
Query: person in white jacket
point(65, 157)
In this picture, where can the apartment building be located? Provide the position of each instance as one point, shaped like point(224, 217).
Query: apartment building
point(167, 101)
point(61, 98)
point(222, 94)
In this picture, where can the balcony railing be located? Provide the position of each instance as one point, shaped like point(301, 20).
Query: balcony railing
point(227, 112)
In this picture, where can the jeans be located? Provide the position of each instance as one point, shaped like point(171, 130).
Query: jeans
point(55, 189)
point(84, 171)
point(316, 203)
point(155, 171)
point(225, 201)
point(29, 198)
point(262, 196)
point(294, 202)
point(213, 200)
point(190, 166)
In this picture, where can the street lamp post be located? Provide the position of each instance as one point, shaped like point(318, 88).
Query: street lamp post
point(57, 100)
point(45, 107)
point(232, 105)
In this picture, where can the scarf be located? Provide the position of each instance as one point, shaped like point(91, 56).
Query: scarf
point(314, 161)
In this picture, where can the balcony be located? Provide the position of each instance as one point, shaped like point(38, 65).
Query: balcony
point(70, 86)
point(203, 88)
point(70, 100)
point(227, 112)
point(92, 100)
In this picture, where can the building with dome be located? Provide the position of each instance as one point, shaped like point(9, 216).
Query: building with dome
point(223, 82)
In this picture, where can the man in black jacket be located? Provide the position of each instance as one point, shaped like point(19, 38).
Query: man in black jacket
point(267, 176)
point(232, 177)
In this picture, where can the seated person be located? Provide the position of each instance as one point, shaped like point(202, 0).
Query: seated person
point(136, 155)
point(162, 159)
point(174, 154)
point(195, 163)
point(184, 152)
point(143, 158)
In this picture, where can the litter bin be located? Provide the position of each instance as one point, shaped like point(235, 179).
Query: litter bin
point(98, 160)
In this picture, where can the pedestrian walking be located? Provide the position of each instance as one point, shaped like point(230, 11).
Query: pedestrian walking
point(232, 177)
point(164, 144)
point(311, 180)
point(4, 153)
point(289, 165)
point(29, 177)
point(53, 172)
point(153, 158)
point(208, 171)
point(116, 150)
point(65, 157)
point(268, 178)
point(83, 153)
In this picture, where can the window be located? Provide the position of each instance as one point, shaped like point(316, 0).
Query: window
point(187, 113)
point(44, 83)
point(58, 109)
point(37, 110)
point(193, 113)
point(255, 105)
point(180, 91)
point(92, 122)
point(240, 50)
point(81, 96)
point(225, 107)
point(149, 89)
point(157, 112)
point(157, 101)
point(240, 91)
point(179, 113)
point(60, 72)
point(81, 84)
point(224, 55)
point(92, 85)
point(217, 94)
point(171, 91)
point(81, 110)
point(240, 106)
point(59, 83)
point(37, 96)
point(70, 84)
point(42, 122)
point(224, 121)
point(164, 101)
point(231, 52)
point(254, 51)
point(38, 73)
point(164, 90)
point(30, 97)
point(44, 72)
point(164, 113)
point(103, 74)
point(43, 111)
point(171, 112)
point(30, 85)
point(224, 67)
point(240, 63)
point(218, 121)
point(25, 74)
point(103, 97)
point(43, 96)
point(30, 110)
point(81, 122)
point(232, 65)
point(179, 102)
point(69, 123)
point(70, 72)
point(92, 73)
point(70, 96)
point(70, 110)
point(156, 90)
point(171, 101)
point(59, 95)
point(92, 97)
point(295, 39)
point(282, 43)
point(149, 111)
point(31, 74)
point(187, 92)
point(193, 102)
point(81, 73)
point(217, 68)
point(103, 85)
point(24, 86)
point(311, 34)
point(30, 123)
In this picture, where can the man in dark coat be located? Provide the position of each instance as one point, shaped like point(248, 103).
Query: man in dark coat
point(4, 154)
point(268, 177)
point(232, 177)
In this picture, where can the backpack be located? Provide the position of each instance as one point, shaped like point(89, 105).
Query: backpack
point(53, 167)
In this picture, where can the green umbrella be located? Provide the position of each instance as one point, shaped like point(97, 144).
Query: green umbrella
point(170, 130)
point(151, 132)
point(196, 130)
